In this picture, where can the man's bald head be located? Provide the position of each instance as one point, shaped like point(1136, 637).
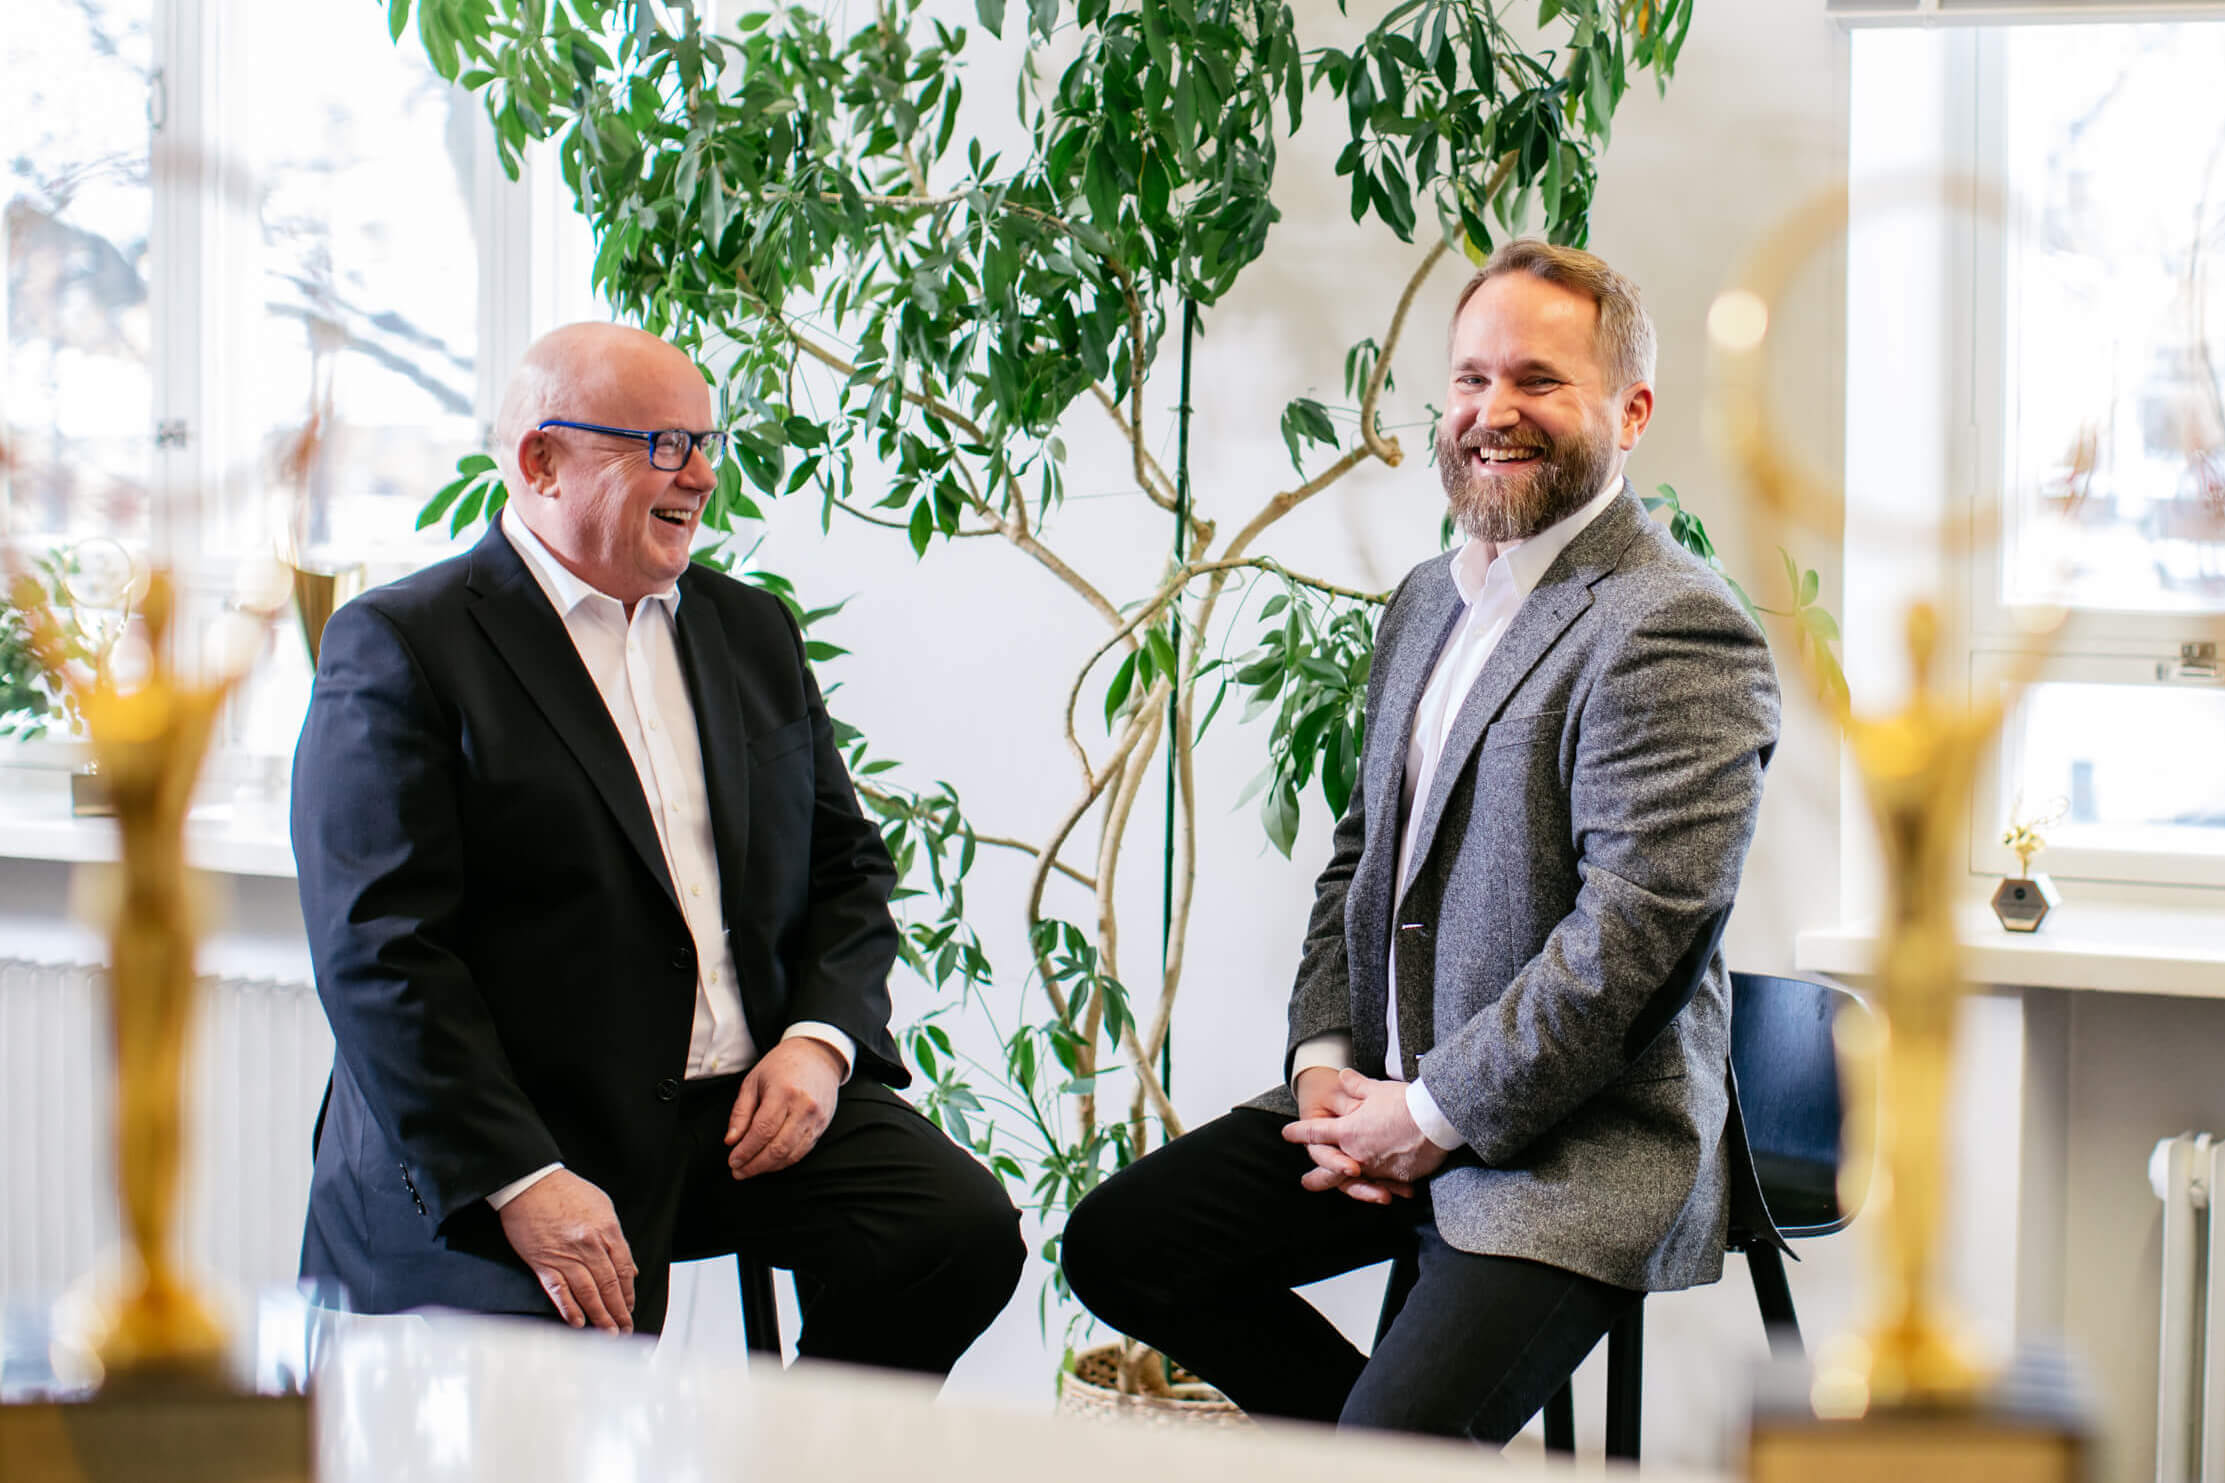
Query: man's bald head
point(595, 499)
point(578, 372)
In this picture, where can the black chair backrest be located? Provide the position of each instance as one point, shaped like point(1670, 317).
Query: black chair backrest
point(1788, 1089)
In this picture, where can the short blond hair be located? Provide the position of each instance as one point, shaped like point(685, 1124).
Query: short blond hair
point(1625, 338)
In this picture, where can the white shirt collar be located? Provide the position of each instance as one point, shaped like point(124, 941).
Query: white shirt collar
point(566, 589)
point(1527, 559)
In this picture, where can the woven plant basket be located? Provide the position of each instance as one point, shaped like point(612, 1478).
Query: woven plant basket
point(1127, 1381)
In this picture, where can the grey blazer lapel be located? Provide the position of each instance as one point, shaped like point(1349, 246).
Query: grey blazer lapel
point(1368, 903)
point(1560, 596)
point(1439, 607)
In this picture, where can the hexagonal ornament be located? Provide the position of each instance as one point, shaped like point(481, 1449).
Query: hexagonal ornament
point(2023, 902)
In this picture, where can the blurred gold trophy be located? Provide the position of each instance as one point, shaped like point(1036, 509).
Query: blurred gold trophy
point(149, 739)
point(1918, 766)
point(149, 712)
point(1911, 1398)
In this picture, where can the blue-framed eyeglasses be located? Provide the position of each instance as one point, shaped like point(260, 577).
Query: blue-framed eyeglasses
point(669, 448)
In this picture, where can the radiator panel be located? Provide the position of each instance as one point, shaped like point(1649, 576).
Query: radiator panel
point(257, 1069)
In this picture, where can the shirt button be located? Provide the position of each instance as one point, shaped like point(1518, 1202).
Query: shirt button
point(668, 1089)
point(652, 723)
point(695, 890)
point(714, 975)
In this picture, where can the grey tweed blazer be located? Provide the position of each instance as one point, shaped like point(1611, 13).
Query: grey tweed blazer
point(1583, 834)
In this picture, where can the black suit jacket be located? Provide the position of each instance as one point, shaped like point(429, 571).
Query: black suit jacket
point(508, 976)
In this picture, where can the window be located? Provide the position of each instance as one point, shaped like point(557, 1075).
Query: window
point(221, 214)
point(78, 399)
point(352, 267)
point(2080, 419)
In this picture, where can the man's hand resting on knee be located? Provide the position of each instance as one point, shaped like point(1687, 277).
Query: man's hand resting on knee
point(785, 1103)
point(567, 1232)
point(1362, 1136)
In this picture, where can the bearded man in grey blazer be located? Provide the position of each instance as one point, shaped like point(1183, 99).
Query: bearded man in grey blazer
point(1509, 1036)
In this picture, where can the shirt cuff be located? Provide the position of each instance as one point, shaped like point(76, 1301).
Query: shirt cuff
point(827, 1035)
point(1430, 1118)
point(517, 1187)
point(1333, 1050)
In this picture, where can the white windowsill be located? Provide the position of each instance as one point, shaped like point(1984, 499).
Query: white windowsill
point(224, 838)
point(2103, 947)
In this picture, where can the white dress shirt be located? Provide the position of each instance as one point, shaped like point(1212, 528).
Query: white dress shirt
point(635, 664)
point(1493, 581)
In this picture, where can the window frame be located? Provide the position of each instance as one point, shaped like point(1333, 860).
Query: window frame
point(533, 263)
point(1968, 280)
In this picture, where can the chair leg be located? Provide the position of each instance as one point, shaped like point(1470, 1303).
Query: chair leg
point(1560, 1420)
point(1766, 1266)
point(1626, 1345)
point(760, 1315)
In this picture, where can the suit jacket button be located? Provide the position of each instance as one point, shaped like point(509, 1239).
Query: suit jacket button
point(682, 958)
point(668, 1089)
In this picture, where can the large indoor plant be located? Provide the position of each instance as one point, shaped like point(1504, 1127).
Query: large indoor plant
point(800, 209)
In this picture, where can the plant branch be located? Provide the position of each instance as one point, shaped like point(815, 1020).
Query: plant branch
point(1109, 842)
point(1157, 487)
point(1094, 785)
point(1299, 579)
point(1178, 930)
point(1290, 499)
point(1128, 292)
point(904, 525)
point(1389, 450)
point(834, 362)
point(1185, 873)
point(1015, 532)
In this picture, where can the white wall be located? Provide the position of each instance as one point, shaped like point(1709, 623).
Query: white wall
point(961, 662)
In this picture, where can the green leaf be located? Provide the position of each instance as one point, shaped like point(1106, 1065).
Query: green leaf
point(468, 510)
point(1831, 679)
point(1155, 36)
point(1279, 812)
point(438, 505)
point(1810, 585)
point(1116, 694)
point(1305, 420)
point(397, 21)
point(991, 13)
point(1821, 624)
point(922, 528)
point(1162, 651)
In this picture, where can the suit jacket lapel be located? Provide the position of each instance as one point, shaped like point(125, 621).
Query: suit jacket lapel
point(1410, 663)
point(518, 620)
point(1390, 732)
point(708, 664)
point(1560, 596)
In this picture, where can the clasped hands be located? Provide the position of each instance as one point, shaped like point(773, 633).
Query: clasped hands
point(1361, 1135)
point(567, 1231)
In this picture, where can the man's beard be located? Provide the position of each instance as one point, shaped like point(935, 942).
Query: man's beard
point(1515, 505)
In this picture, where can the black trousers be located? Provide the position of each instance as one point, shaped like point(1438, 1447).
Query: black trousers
point(903, 1247)
point(1195, 1248)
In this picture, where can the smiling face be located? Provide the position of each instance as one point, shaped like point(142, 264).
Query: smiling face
point(594, 500)
point(1533, 427)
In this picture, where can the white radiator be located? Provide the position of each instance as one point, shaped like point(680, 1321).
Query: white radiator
point(2190, 1369)
point(258, 1068)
